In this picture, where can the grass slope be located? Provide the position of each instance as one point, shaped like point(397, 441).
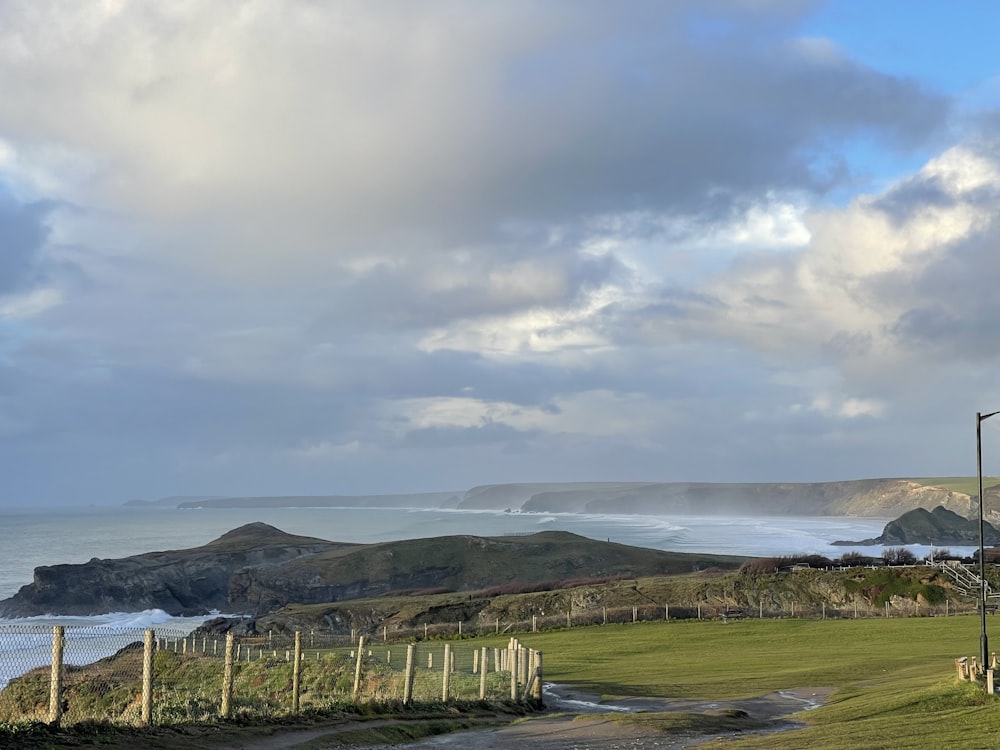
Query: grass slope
point(894, 678)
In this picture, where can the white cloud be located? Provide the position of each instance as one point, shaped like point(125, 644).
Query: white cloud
point(29, 304)
point(588, 413)
point(848, 408)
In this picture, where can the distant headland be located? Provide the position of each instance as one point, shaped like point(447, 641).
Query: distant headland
point(868, 498)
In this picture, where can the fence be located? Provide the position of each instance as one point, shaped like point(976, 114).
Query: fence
point(650, 612)
point(135, 677)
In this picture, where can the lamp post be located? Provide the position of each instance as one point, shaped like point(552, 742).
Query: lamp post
point(984, 646)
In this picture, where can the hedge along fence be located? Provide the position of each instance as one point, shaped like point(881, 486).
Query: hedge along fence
point(166, 680)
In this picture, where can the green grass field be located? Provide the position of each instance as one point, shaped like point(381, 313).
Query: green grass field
point(894, 679)
point(968, 485)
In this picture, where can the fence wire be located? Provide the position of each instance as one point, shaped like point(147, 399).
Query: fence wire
point(102, 675)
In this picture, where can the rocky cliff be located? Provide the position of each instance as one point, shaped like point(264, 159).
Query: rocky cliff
point(258, 568)
point(938, 527)
point(181, 582)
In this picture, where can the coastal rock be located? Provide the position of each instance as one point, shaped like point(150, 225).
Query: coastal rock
point(182, 582)
point(936, 527)
point(257, 568)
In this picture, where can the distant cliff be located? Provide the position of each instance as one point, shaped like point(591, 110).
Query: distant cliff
point(878, 498)
point(257, 568)
point(862, 497)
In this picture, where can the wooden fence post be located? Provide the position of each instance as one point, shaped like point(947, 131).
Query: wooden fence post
point(538, 678)
point(357, 669)
point(227, 677)
point(147, 678)
point(512, 665)
point(446, 671)
point(411, 653)
point(483, 669)
point(55, 680)
point(296, 672)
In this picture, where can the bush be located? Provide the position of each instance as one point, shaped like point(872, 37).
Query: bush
point(898, 556)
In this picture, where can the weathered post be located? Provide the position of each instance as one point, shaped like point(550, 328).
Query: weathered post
point(522, 664)
point(635, 614)
point(534, 623)
point(430, 660)
point(482, 673)
point(385, 633)
point(475, 661)
point(459, 628)
point(512, 663)
point(962, 667)
point(569, 623)
point(989, 681)
point(666, 612)
point(604, 615)
point(296, 672)
point(147, 678)
point(411, 653)
point(55, 679)
point(446, 670)
point(496, 660)
point(357, 669)
point(538, 678)
point(227, 677)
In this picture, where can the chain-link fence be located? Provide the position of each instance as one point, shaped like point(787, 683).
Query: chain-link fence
point(136, 677)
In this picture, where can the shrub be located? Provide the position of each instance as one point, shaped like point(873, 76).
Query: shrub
point(898, 556)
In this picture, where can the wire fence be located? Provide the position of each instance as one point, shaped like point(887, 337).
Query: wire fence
point(135, 677)
point(652, 612)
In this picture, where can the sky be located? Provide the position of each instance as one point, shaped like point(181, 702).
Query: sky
point(293, 247)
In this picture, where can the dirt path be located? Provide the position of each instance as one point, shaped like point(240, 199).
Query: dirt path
point(579, 721)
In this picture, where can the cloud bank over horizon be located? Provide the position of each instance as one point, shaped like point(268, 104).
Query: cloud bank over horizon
point(280, 247)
